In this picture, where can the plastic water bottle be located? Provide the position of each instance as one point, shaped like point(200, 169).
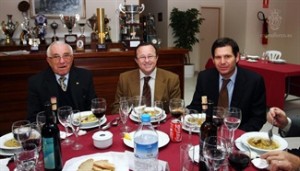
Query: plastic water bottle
point(145, 146)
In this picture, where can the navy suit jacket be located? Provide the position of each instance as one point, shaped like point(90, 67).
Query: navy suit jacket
point(43, 86)
point(249, 95)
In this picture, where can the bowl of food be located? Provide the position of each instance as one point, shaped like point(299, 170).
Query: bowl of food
point(195, 119)
point(88, 119)
point(259, 141)
point(102, 139)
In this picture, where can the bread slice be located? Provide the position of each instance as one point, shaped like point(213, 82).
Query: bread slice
point(86, 165)
point(104, 164)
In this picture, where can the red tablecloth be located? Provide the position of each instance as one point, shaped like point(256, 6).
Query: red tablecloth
point(274, 75)
point(169, 153)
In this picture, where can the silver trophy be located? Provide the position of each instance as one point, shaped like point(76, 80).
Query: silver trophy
point(54, 26)
point(131, 10)
point(92, 23)
point(41, 25)
point(9, 28)
point(24, 6)
point(70, 23)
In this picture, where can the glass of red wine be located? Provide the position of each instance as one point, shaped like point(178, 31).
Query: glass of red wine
point(239, 160)
point(177, 107)
point(218, 116)
point(21, 130)
point(98, 108)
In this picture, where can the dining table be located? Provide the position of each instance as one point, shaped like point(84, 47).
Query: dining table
point(169, 153)
point(281, 79)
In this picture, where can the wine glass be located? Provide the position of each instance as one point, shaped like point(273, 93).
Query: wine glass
point(139, 105)
point(21, 130)
point(239, 160)
point(41, 119)
point(76, 122)
point(190, 121)
point(177, 107)
point(214, 151)
point(27, 158)
point(64, 114)
point(124, 110)
point(98, 108)
point(218, 116)
point(159, 106)
point(36, 138)
point(232, 120)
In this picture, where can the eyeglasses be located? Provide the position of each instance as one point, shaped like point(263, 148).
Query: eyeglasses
point(143, 58)
point(64, 56)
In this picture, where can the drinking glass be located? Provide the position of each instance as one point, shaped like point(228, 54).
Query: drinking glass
point(41, 119)
point(232, 120)
point(64, 114)
point(124, 110)
point(139, 105)
point(159, 106)
point(177, 107)
point(218, 116)
point(214, 151)
point(21, 130)
point(36, 138)
point(186, 162)
point(190, 121)
point(98, 108)
point(27, 158)
point(239, 160)
point(76, 122)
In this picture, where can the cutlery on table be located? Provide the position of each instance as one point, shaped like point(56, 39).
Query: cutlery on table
point(270, 132)
point(114, 122)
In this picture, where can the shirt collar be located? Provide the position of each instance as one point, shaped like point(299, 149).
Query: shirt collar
point(152, 75)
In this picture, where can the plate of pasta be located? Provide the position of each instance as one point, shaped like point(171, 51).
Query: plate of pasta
point(259, 141)
point(8, 142)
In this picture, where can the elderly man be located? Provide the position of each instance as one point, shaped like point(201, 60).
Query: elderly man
point(164, 85)
point(71, 85)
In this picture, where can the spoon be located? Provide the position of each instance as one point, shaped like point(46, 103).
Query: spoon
point(115, 122)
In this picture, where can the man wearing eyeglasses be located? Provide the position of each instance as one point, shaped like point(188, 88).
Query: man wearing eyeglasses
point(71, 86)
point(164, 85)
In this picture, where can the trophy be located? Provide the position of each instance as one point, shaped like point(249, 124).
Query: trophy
point(8, 29)
point(25, 34)
point(54, 26)
point(81, 39)
point(41, 25)
point(101, 29)
point(70, 22)
point(92, 23)
point(131, 10)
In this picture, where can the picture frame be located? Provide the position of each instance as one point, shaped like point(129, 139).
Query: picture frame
point(53, 8)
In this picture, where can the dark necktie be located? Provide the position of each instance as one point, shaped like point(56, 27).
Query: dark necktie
point(147, 91)
point(223, 96)
point(62, 83)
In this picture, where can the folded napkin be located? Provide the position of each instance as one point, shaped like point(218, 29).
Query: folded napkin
point(64, 135)
point(163, 165)
point(3, 164)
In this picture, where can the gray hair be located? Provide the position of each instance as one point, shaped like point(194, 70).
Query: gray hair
point(58, 43)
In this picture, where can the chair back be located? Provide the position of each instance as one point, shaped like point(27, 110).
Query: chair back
point(273, 54)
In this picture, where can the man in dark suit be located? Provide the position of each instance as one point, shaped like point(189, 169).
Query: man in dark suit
point(164, 85)
point(76, 88)
point(246, 89)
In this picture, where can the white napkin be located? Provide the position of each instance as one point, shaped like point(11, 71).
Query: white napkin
point(3, 164)
point(163, 165)
point(64, 135)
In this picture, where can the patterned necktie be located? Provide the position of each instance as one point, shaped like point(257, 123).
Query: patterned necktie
point(147, 91)
point(62, 83)
point(223, 96)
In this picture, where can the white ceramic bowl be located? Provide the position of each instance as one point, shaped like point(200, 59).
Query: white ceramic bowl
point(102, 139)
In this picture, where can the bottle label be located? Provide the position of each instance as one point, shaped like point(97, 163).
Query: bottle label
point(146, 150)
point(48, 152)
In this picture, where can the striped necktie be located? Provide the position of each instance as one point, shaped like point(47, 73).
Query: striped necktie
point(223, 96)
point(62, 83)
point(147, 91)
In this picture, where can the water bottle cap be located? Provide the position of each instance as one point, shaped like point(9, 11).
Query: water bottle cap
point(145, 117)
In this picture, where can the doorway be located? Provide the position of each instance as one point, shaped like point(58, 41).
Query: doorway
point(209, 32)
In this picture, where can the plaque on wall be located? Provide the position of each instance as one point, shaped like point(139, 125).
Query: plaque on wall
point(71, 38)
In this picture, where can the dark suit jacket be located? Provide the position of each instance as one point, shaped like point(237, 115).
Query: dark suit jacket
point(167, 86)
point(43, 85)
point(249, 95)
point(295, 127)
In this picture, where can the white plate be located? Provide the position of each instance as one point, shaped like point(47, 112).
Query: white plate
point(194, 130)
point(4, 152)
point(136, 119)
point(163, 139)
point(280, 141)
point(102, 121)
point(239, 144)
point(253, 57)
point(194, 153)
point(260, 163)
point(149, 109)
point(278, 61)
point(251, 60)
point(85, 114)
point(117, 158)
point(6, 137)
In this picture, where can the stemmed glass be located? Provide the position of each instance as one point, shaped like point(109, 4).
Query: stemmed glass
point(218, 116)
point(41, 119)
point(177, 107)
point(190, 121)
point(36, 138)
point(76, 122)
point(98, 108)
point(214, 151)
point(27, 158)
point(232, 120)
point(139, 105)
point(21, 130)
point(124, 110)
point(239, 160)
point(159, 106)
point(64, 114)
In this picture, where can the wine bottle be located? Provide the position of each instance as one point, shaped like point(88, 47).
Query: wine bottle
point(51, 142)
point(207, 129)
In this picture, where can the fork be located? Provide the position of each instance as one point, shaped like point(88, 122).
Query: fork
point(270, 132)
